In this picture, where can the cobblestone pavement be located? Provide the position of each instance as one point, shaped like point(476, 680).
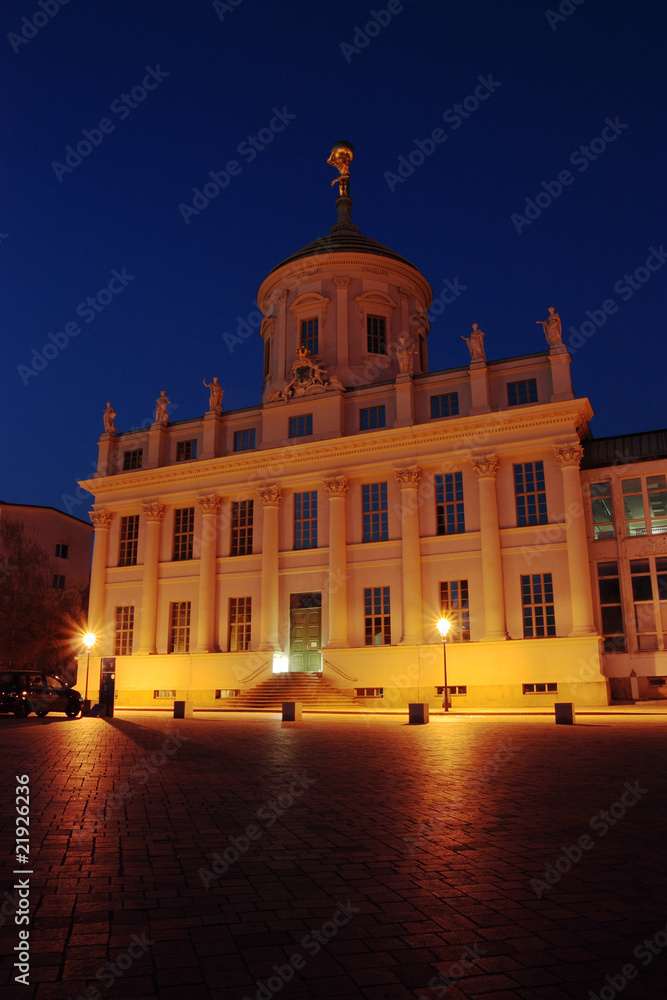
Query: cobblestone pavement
point(230, 857)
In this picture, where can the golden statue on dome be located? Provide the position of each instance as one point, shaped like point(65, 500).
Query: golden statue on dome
point(342, 154)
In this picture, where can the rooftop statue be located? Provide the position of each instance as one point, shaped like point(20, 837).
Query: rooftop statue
point(475, 343)
point(405, 352)
point(109, 417)
point(161, 404)
point(215, 395)
point(552, 328)
point(342, 154)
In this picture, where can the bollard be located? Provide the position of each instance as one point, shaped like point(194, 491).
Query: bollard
point(291, 711)
point(182, 709)
point(564, 713)
point(418, 713)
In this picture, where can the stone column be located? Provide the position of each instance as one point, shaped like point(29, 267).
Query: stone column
point(337, 489)
point(209, 542)
point(583, 622)
point(492, 568)
point(153, 514)
point(269, 620)
point(102, 521)
point(413, 611)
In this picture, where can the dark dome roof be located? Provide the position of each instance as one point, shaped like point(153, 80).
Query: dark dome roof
point(344, 237)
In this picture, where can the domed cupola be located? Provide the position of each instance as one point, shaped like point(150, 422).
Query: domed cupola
point(345, 307)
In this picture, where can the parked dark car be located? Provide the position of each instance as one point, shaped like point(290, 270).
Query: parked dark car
point(26, 691)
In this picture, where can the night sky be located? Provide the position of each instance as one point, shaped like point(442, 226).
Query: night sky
point(568, 115)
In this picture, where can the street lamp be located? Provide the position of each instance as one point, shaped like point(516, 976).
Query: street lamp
point(89, 641)
point(443, 626)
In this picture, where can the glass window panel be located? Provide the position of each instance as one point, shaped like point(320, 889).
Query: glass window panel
point(634, 506)
point(610, 591)
point(647, 641)
point(641, 588)
point(663, 615)
point(612, 620)
point(656, 483)
point(632, 485)
point(645, 617)
point(608, 569)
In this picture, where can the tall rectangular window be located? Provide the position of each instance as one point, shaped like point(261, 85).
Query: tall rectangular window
point(305, 520)
point(376, 335)
point(445, 406)
point(179, 627)
point(132, 459)
point(185, 450)
point(601, 509)
point(267, 357)
point(529, 490)
point(375, 513)
point(371, 418)
point(62, 551)
point(301, 426)
point(59, 581)
point(649, 595)
point(449, 509)
point(537, 599)
point(611, 610)
point(645, 504)
point(129, 540)
point(377, 616)
point(242, 516)
point(454, 605)
point(123, 630)
point(240, 623)
point(244, 440)
point(184, 533)
point(522, 392)
point(310, 334)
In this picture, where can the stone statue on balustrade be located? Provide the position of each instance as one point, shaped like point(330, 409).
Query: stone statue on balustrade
point(552, 328)
point(161, 404)
point(215, 395)
point(109, 417)
point(475, 343)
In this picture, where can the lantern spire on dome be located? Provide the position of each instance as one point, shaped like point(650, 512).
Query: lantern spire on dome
point(342, 154)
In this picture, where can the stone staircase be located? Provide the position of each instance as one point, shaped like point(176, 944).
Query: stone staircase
point(314, 692)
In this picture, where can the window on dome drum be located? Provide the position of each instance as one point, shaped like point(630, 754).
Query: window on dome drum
point(375, 513)
point(240, 623)
point(123, 630)
point(371, 418)
point(445, 406)
point(377, 616)
point(132, 459)
point(301, 426)
point(522, 392)
point(305, 520)
point(529, 490)
point(62, 551)
point(611, 609)
point(602, 511)
point(649, 595)
point(185, 450)
point(129, 540)
point(537, 599)
point(242, 518)
point(309, 334)
point(244, 440)
point(184, 533)
point(645, 504)
point(267, 357)
point(449, 509)
point(179, 627)
point(59, 582)
point(376, 335)
point(454, 605)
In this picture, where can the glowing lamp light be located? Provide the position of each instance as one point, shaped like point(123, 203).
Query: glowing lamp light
point(89, 640)
point(443, 626)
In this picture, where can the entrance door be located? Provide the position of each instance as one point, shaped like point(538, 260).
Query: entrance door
point(305, 632)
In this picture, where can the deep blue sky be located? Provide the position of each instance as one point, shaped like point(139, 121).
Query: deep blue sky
point(119, 208)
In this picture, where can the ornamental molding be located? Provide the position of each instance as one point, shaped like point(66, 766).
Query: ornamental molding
point(210, 504)
point(408, 479)
point(341, 280)
point(337, 486)
point(306, 377)
point(270, 495)
point(569, 455)
point(101, 518)
point(153, 511)
point(486, 467)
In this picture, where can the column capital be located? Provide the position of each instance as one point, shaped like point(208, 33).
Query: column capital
point(408, 479)
point(337, 486)
point(485, 467)
point(568, 455)
point(101, 518)
point(210, 504)
point(341, 281)
point(153, 511)
point(270, 495)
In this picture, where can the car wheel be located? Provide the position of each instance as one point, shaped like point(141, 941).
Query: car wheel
point(22, 710)
point(41, 712)
point(72, 710)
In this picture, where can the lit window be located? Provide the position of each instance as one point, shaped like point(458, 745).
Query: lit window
point(184, 532)
point(240, 623)
point(305, 520)
point(601, 509)
point(445, 406)
point(611, 610)
point(522, 392)
point(179, 628)
point(129, 540)
point(244, 440)
point(309, 335)
point(649, 594)
point(301, 426)
point(132, 459)
point(449, 509)
point(374, 512)
point(537, 599)
point(377, 616)
point(454, 605)
point(371, 418)
point(242, 518)
point(185, 450)
point(62, 551)
point(529, 490)
point(376, 335)
point(645, 504)
point(123, 630)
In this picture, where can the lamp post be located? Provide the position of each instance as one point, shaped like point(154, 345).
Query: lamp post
point(89, 640)
point(443, 626)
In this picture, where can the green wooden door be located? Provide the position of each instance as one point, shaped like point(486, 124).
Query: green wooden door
point(305, 639)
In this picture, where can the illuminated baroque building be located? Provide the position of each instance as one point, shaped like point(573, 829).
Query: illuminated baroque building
point(327, 528)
